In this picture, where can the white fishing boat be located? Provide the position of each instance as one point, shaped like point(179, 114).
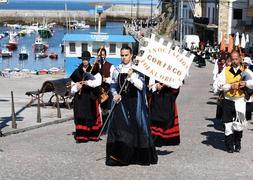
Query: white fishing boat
point(6, 53)
point(41, 55)
point(40, 45)
point(13, 43)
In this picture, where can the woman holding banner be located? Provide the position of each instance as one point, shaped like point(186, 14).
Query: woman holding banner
point(163, 114)
point(129, 138)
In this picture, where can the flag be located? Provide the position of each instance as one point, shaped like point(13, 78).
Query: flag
point(222, 43)
point(230, 43)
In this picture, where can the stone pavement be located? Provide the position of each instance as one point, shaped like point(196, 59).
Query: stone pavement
point(51, 152)
point(26, 117)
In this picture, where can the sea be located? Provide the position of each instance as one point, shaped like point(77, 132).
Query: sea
point(54, 42)
point(46, 5)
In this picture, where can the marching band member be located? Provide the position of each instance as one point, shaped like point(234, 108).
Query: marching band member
point(129, 138)
point(233, 83)
point(106, 69)
point(163, 114)
point(87, 118)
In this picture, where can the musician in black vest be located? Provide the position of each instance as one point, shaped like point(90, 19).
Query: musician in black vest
point(86, 81)
point(106, 70)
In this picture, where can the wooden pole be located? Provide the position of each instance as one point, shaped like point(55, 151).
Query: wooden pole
point(58, 107)
point(13, 115)
point(38, 108)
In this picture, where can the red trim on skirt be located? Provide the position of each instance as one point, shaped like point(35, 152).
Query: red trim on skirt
point(90, 133)
point(167, 133)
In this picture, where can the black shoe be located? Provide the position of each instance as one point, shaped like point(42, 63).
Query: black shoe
point(112, 162)
point(237, 148)
point(230, 150)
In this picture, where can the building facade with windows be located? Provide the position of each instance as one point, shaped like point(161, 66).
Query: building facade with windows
point(210, 18)
point(187, 18)
point(234, 17)
point(75, 44)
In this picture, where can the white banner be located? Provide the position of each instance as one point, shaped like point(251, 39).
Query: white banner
point(162, 63)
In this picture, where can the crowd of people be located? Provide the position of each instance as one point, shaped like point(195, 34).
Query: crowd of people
point(141, 112)
point(233, 82)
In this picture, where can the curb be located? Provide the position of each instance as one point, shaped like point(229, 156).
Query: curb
point(16, 131)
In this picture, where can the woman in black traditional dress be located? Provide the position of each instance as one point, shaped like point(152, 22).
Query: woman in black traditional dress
point(86, 81)
point(129, 138)
point(163, 114)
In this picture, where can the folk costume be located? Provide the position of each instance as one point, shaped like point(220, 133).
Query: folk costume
point(129, 138)
point(106, 72)
point(86, 112)
point(234, 105)
point(163, 115)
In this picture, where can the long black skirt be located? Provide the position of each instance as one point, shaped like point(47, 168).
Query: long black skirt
point(129, 141)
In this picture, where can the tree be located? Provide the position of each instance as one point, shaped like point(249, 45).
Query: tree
point(168, 19)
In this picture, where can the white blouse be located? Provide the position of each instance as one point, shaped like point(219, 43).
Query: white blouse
point(135, 78)
point(91, 83)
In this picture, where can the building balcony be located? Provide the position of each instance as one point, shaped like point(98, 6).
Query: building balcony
point(201, 20)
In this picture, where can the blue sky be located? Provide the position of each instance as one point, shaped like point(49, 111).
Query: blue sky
point(112, 1)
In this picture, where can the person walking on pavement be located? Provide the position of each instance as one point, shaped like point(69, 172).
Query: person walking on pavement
point(232, 82)
point(106, 70)
point(86, 81)
point(129, 139)
point(163, 115)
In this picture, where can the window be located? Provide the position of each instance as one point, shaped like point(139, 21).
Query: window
point(125, 45)
point(213, 16)
point(208, 12)
point(237, 14)
point(190, 14)
point(112, 49)
point(96, 46)
point(72, 47)
point(84, 47)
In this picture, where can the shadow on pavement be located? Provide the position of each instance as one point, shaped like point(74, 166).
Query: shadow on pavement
point(163, 152)
point(217, 124)
point(215, 98)
point(4, 100)
point(214, 139)
point(211, 103)
point(4, 121)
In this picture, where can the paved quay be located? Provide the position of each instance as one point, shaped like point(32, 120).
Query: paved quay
point(51, 152)
point(26, 117)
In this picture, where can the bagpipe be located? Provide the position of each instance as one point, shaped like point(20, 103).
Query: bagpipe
point(103, 94)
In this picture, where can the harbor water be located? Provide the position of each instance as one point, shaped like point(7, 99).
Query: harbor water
point(54, 42)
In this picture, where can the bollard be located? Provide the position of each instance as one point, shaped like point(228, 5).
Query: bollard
point(38, 108)
point(13, 115)
point(58, 107)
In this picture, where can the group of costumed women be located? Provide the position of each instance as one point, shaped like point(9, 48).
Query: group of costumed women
point(144, 113)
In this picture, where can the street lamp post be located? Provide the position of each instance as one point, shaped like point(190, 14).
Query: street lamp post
point(151, 13)
point(100, 10)
point(181, 24)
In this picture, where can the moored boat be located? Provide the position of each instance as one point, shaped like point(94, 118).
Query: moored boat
point(53, 55)
point(6, 53)
point(23, 54)
point(43, 71)
point(41, 55)
point(45, 32)
point(12, 44)
point(39, 45)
